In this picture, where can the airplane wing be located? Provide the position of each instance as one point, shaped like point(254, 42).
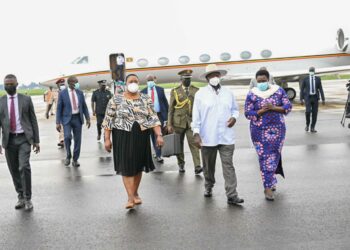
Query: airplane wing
point(286, 76)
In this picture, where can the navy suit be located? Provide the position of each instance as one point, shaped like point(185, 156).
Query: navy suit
point(162, 114)
point(72, 123)
point(311, 101)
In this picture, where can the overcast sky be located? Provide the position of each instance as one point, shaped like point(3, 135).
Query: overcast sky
point(41, 37)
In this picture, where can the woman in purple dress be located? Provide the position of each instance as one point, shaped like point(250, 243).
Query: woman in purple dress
point(265, 107)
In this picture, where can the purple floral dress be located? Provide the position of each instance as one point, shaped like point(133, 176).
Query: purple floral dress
point(268, 132)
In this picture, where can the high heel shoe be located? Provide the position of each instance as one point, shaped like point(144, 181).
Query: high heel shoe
point(130, 205)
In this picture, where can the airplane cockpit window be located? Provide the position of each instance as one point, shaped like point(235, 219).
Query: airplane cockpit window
point(184, 59)
point(163, 61)
point(245, 55)
point(266, 53)
point(142, 62)
point(225, 56)
point(204, 58)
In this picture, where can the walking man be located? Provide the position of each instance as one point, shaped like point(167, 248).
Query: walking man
point(180, 118)
point(19, 131)
point(71, 109)
point(161, 107)
point(99, 101)
point(215, 112)
point(310, 92)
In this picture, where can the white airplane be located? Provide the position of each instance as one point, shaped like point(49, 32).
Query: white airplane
point(291, 68)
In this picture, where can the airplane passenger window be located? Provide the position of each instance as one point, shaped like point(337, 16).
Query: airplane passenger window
point(142, 62)
point(266, 53)
point(184, 59)
point(225, 56)
point(204, 58)
point(245, 55)
point(163, 61)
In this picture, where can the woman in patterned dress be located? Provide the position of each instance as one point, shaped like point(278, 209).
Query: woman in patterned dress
point(265, 107)
point(129, 118)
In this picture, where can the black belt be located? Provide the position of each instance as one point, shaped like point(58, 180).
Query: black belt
point(16, 134)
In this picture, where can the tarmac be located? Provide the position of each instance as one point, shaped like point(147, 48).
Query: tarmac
point(83, 208)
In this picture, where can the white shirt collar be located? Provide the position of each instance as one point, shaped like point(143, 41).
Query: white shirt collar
point(9, 96)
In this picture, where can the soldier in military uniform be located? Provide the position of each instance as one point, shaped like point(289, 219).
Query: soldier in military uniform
point(99, 101)
point(180, 118)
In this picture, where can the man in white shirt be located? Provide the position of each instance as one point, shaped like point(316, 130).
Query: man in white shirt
point(215, 112)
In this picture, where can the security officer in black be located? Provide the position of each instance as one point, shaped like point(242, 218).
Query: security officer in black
point(311, 90)
point(99, 101)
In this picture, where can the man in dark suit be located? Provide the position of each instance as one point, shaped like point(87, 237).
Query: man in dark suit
point(310, 91)
point(71, 109)
point(99, 101)
point(161, 106)
point(19, 131)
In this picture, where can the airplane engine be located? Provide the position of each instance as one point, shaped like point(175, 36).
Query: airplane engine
point(342, 41)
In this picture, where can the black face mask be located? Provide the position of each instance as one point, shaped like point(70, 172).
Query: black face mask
point(11, 90)
point(187, 82)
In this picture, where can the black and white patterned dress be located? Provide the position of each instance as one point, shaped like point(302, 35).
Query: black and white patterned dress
point(130, 122)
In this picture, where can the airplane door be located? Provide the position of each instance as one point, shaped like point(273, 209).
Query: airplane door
point(117, 67)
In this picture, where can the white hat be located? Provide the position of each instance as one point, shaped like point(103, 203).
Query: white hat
point(211, 68)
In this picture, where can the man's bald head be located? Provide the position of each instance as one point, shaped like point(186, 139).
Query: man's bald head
point(150, 78)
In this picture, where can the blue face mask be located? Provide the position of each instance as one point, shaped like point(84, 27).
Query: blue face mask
point(151, 84)
point(77, 85)
point(263, 86)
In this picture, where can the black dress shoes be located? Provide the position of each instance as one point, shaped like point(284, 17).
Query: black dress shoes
point(76, 164)
point(307, 128)
point(208, 192)
point(159, 159)
point(28, 205)
point(198, 170)
point(20, 204)
point(99, 138)
point(67, 162)
point(60, 144)
point(182, 168)
point(234, 200)
point(313, 130)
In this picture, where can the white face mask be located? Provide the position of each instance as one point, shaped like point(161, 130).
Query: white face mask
point(133, 87)
point(214, 81)
point(62, 87)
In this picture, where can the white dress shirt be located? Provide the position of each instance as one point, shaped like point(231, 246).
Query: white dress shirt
point(19, 128)
point(70, 92)
point(312, 82)
point(211, 112)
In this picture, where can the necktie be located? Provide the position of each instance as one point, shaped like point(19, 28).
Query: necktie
point(186, 91)
point(152, 94)
point(12, 115)
point(74, 101)
point(312, 85)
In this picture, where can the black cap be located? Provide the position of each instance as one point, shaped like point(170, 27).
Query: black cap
point(102, 82)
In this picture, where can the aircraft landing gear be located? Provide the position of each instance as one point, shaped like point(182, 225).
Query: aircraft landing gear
point(291, 93)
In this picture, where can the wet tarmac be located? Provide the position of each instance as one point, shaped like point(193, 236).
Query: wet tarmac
point(84, 208)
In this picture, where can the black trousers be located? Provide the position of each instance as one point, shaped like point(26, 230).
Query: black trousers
point(99, 118)
point(17, 156)
point(311, 110)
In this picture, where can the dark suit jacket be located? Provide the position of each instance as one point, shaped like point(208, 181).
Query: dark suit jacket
point(26, 115)
point(64, 108)
point(305, 89)
point(163, 102)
